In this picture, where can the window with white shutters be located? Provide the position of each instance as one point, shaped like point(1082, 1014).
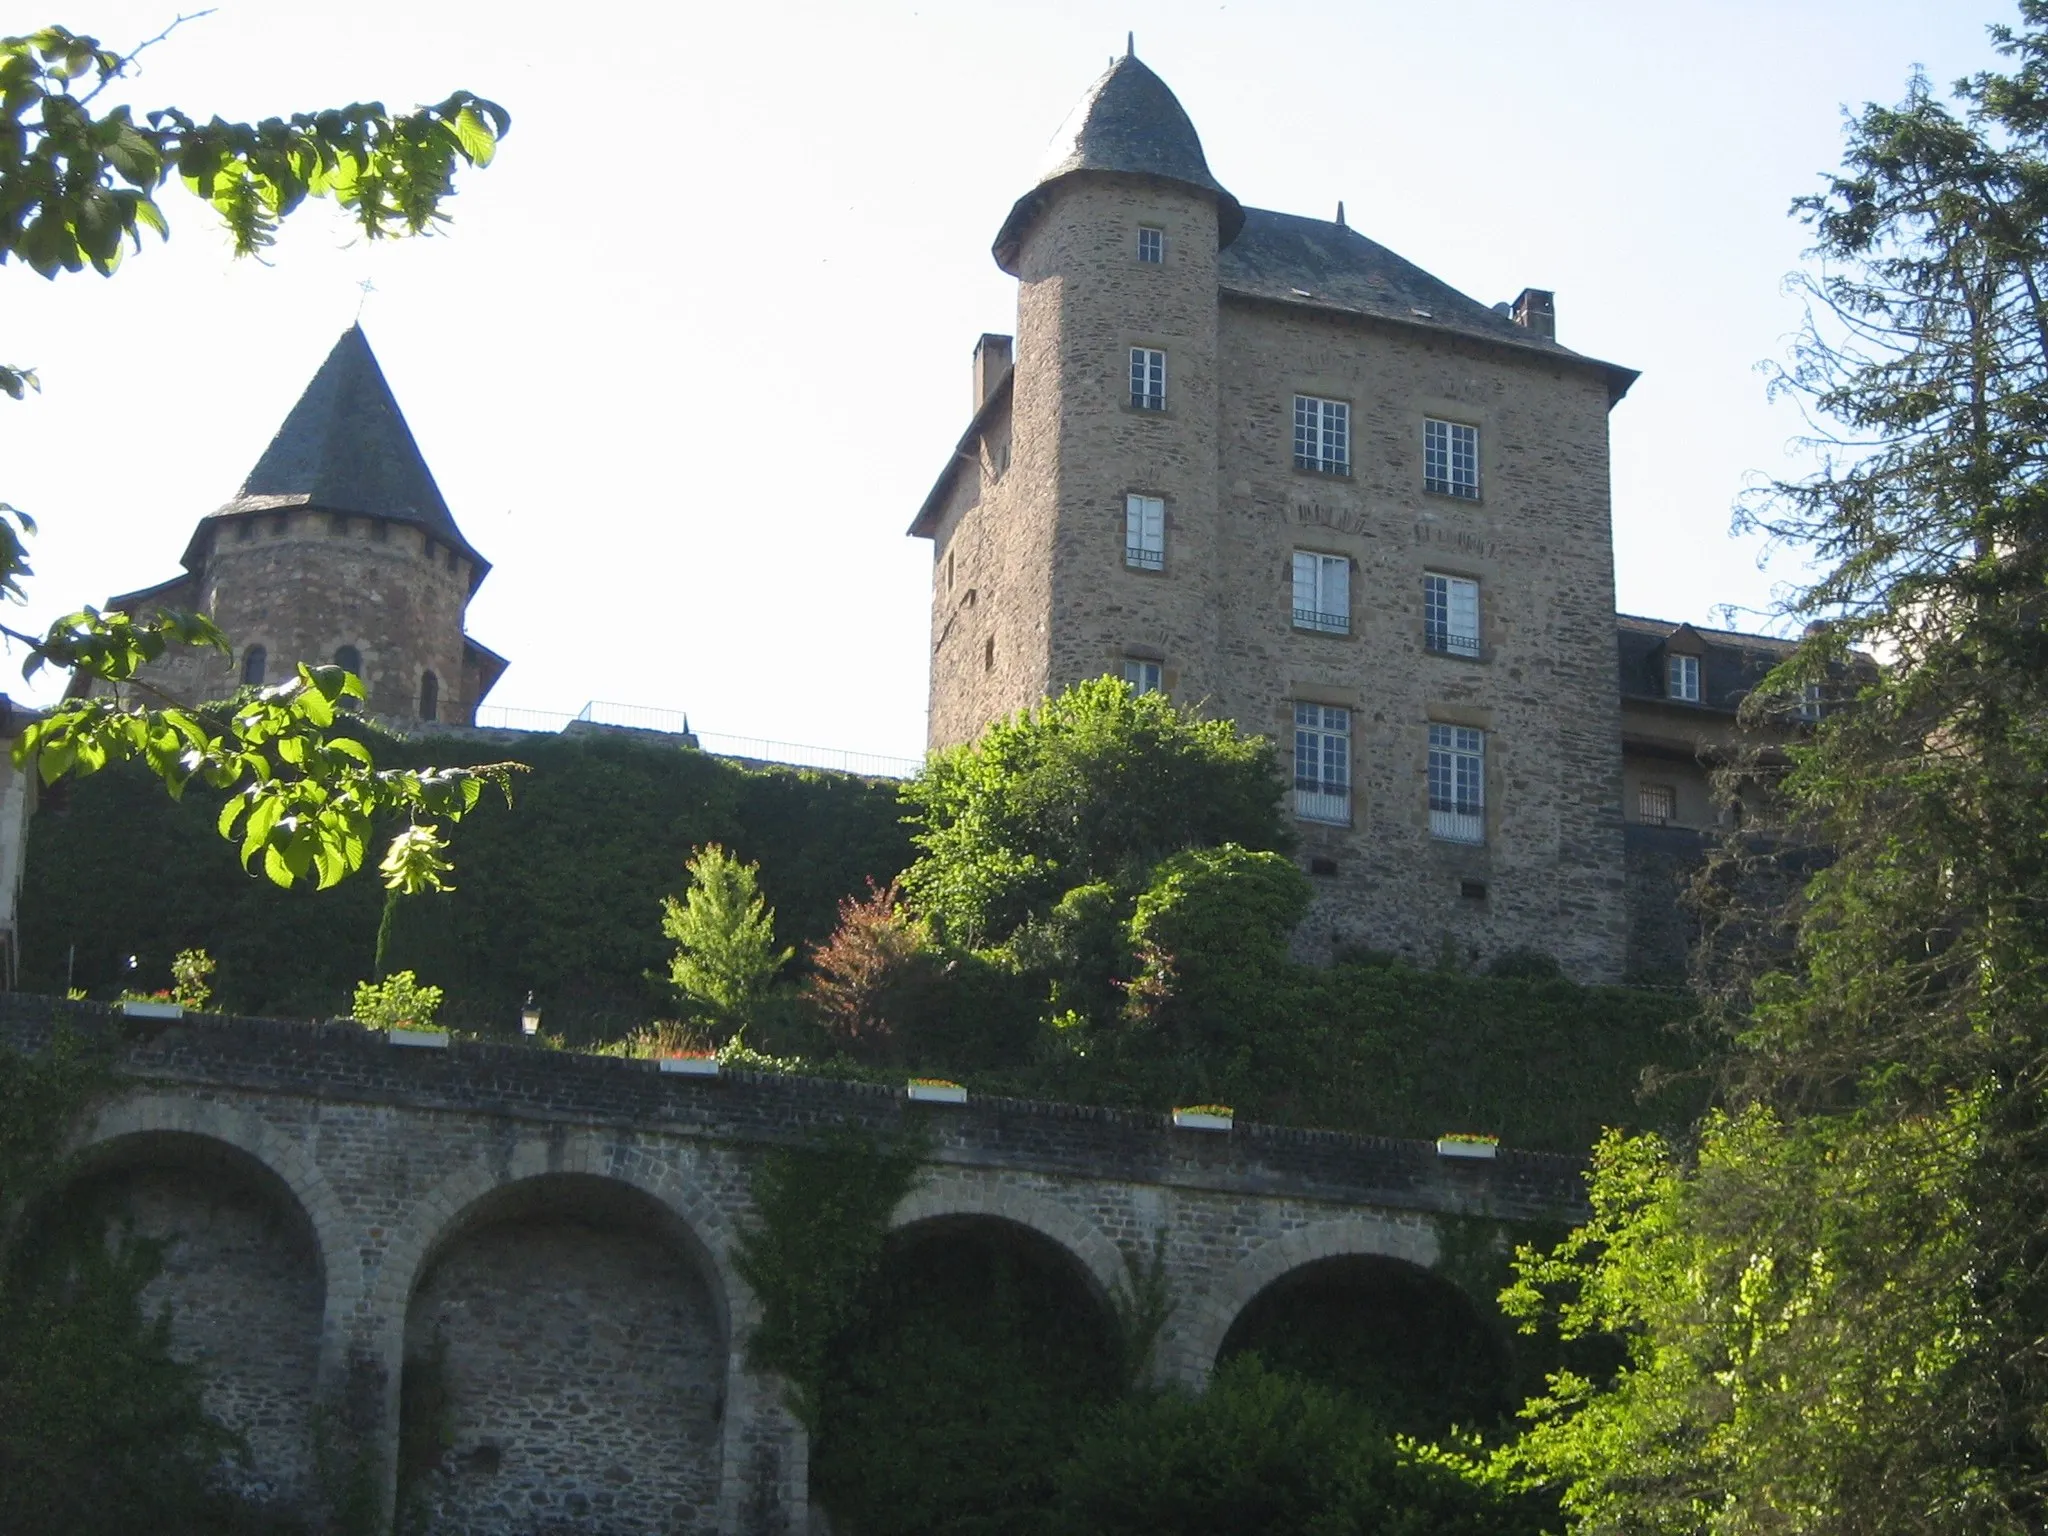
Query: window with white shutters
point(1145, 532)
point(1322, 592)
point(1457, 783)
point(1322, 763)
point(1450, 614)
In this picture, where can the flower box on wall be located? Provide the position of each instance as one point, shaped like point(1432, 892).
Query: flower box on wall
point(933, 1090)
point(1467, 1146)
point(423, 1039)
point(691, 1066)
point(1204, 1117)
point(136, 1008)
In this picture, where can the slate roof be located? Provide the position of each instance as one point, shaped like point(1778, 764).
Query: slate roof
point(1321, 265)
point(1129, 123)
point(345, 447)
point(1731, 663)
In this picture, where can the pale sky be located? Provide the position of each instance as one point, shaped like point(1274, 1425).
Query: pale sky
point(696, 346)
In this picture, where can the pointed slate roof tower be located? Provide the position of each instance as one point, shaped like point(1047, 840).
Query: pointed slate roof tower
point(1128, 124)
point(345, 448)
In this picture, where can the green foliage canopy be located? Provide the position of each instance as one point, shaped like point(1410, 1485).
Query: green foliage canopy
point(1095, 785)
point(1835, 1299)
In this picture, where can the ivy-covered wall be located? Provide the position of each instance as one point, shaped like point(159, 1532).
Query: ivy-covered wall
point(560, 895)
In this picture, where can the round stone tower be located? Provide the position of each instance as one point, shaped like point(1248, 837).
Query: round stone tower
point(338, 548)
point(1115, 391)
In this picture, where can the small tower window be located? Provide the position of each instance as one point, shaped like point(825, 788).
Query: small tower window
point(245, 529)
point(349, 659)
point(337, 524)
point(430, 548)
point(430, 696)
point(988, 654)
point(1151, 243)
point(279, 524)
point(1148, 379)
point(252, 665)
point(380, 531)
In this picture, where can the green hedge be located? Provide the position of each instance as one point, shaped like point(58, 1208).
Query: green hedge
point(559, 895)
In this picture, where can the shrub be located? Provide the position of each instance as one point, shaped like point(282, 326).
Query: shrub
point(725, 941)
point(873, 982)
point(397, 1001)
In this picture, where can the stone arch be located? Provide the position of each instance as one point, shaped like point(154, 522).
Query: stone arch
point(949, 1193)
point(563, 1324)
point(247, 1228)
point(1190, 1354)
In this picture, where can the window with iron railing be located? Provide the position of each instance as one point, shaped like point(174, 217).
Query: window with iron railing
point(1322, 435)
point(1656, 804)
point(1145, 532)
point(1450, 614)
point(1148, 379)
point(1322, 592)
point(1322, 763)
point(1450, 459)
point(1457, 783)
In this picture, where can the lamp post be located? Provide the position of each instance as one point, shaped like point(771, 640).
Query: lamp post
point(529, 1018)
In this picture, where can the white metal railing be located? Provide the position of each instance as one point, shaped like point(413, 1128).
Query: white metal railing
point(1323, 805)
point(674, 722)
point(1452, 644)
point(1325, 623)
point(1458, 826)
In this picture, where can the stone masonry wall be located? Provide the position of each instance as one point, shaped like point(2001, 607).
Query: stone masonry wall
point(304, 583)
point(444, 1190)
point(577, 1367)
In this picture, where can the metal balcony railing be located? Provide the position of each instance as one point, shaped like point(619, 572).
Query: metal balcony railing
point(1448, 644)
point(1323, 623)
point(1144, 559)
point(1457, 826)
point(1323, 802)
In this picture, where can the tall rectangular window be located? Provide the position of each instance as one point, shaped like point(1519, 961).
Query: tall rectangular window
point(1810, 702)
point(1682, 678)
point(1148, 379)
point(1322, 763)
point(1457, 783)
point(1151, 243)
point(1145, 532)
point(1143, 676)
point(1322, 593)
point(1450, 458)
point(1322, 435)
point(1450, 614)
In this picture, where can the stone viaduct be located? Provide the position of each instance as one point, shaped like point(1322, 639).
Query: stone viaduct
point(557, 1233)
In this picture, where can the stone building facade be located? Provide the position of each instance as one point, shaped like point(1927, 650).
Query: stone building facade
point(1265, 464)
point(338, 548)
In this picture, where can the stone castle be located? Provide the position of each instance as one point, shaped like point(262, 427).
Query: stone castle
point(1252, 459)
point(1263, 463)
point(338, 549)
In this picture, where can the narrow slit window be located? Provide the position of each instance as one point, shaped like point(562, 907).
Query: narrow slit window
point(1145, 532)
point(253, 662)
point(430, 696)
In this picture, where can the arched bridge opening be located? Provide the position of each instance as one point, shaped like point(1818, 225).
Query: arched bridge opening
point(979, 1347)
point(1397, 1337)
point(565, 1367)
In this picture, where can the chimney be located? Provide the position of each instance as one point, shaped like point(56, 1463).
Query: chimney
point(991, 362)
point(1537, 309)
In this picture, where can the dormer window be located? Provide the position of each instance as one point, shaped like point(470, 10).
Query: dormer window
point(1151, 244)
point(1682, 678)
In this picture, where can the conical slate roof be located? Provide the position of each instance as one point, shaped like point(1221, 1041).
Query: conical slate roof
point(345, 447)
point(1128, 123)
